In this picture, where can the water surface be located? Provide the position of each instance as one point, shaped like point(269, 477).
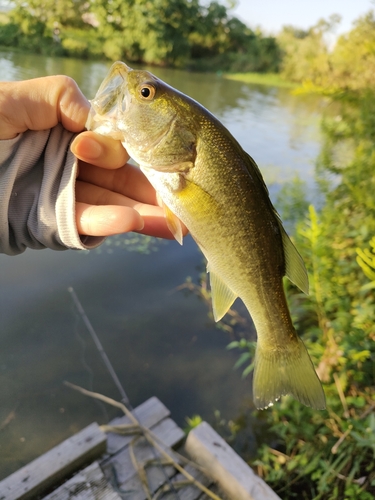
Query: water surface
point(160, 340)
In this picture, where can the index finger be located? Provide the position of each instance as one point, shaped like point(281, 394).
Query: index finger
point(127, 180)
point(99, 150)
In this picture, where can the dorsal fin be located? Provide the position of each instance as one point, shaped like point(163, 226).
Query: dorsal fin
point(294, 267)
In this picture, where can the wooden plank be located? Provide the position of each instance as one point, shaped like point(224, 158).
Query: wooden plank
point(215, 489)
point(148, 414)
point(132, 488)
point(88, 484)
point(192, 492)
point(167, 431)
point(158, 477)
point(222, 463)
point(64, 459)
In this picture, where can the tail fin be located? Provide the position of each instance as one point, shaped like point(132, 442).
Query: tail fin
point(286, 371)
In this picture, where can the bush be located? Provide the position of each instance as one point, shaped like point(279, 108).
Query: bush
point(9, 34)
point(330, 454)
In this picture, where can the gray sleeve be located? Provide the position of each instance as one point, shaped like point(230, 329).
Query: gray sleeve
point(37, 198)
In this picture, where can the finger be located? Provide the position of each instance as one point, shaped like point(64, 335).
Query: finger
point(95, 195)
point(153, 216)
point(106, 220)
point(99, 150)
point(127, 180)
point(41, 103)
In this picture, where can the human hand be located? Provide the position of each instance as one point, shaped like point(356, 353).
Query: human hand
point(111, 196)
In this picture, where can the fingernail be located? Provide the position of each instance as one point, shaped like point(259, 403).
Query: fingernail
point(140, 225)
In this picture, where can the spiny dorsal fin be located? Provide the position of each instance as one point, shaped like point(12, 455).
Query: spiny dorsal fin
point(173, 223)
point(294, 267)
point(222, 295)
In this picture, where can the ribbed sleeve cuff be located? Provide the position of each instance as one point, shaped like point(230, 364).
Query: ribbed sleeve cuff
point(65, 210)
point(37, 193)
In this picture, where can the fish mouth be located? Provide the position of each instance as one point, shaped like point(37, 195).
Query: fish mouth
point(113, 87)
point(110, 102)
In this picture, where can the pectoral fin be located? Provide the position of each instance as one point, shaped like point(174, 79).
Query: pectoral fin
point(174, 224)
point(222, 296)
point(294, 266)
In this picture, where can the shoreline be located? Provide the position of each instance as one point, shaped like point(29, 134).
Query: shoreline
point(269, 79)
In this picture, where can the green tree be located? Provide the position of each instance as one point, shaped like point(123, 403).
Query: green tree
point(305, 54)
point(225, 42)
point(353, 59)
point(216, 32)
point(163, 32)
point(141, 30)
point(48, 12)
point(40, 26)
point(350, 65)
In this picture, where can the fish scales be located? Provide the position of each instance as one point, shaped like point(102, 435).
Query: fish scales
point(207, 181)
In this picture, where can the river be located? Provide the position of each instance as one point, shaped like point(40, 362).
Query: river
point(159, 339)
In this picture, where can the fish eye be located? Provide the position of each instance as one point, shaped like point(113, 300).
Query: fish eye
point(147, 91)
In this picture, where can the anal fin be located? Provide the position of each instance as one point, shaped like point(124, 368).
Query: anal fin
point(222, 296)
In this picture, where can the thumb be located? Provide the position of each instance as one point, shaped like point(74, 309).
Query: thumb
point(41, 103)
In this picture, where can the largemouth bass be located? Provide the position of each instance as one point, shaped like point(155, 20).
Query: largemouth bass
point(206, 180)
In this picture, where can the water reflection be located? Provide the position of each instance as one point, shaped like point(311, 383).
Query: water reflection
point(160, 342)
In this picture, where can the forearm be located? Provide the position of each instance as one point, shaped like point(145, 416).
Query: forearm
point(37, 201)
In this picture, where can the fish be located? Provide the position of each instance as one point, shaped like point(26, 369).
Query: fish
point(208, 182)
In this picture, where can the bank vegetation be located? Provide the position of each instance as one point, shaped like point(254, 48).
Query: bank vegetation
point(179, 33)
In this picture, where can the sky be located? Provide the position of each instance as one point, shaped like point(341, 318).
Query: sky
point(271, 15)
